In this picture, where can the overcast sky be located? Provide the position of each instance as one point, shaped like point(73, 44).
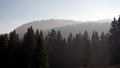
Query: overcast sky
point(14, 13)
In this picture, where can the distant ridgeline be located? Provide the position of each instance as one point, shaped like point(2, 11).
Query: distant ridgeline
point(66, 27)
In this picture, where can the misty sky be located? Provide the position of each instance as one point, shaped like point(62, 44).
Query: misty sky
point(14, 13)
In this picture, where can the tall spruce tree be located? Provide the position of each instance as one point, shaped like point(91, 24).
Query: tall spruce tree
point(51, 39)
point(3, 50)
point(44, 52)
point(40, 53)
point(70, 40)
point(94, 49)
point(13, 49)
point(28, 45)
point(114, 40)
point(86, 49)
point(4, 41)
point(77, 49)
point(104, 50)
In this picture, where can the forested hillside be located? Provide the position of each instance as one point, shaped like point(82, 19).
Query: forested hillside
point(34, 50)
point(65, 26)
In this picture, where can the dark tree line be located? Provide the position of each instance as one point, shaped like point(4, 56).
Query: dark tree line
point(29, 52)
point(53, 51)
point(80, 50)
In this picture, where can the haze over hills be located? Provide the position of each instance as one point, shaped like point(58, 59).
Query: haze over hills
point(44, 25)
point(66, 26)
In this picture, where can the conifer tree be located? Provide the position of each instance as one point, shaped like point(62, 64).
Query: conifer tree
point(51, 39)
point(86, 49)
point(40, 53)
point(3, 50)
point(28, 45)
point(94, 49)
point(114, 40)
point(70, 40)
point(104, 50)
point(13, 48)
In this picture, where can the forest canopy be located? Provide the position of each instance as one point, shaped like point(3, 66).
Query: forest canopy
point(35, 50)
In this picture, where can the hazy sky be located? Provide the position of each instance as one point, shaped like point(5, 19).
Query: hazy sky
point(14, 13)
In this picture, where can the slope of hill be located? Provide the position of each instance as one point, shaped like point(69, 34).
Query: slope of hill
point(89, 26)
point(44, 25)
point(65, 26)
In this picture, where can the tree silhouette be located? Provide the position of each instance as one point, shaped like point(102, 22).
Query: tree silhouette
point(28, 45)
point(114, 40)
point(13, 49)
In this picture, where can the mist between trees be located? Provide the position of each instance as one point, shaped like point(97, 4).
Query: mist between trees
point(53, 51)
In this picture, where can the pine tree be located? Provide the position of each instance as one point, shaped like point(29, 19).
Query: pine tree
point(78, 41)
point(86, 50)
point(114, 40)
point(3, 50)
point(59, 42)
point(70, 40)
point(28, 45)
point(95, 43)
point(51, 39)
point(40, 53)
point(4, 40)
point(13, 48)
point(59, 38)
point(104, 50)
point(44, 52)
point(37, 34)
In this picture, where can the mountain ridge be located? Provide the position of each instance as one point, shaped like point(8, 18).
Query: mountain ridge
point(65, 26)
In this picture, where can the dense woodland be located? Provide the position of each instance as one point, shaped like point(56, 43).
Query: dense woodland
point(53, 51)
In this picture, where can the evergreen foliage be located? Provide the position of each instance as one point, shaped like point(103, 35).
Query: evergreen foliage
point(114, 40)
point(35, 50)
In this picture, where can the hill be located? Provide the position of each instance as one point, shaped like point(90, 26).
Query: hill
point(66, 26)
